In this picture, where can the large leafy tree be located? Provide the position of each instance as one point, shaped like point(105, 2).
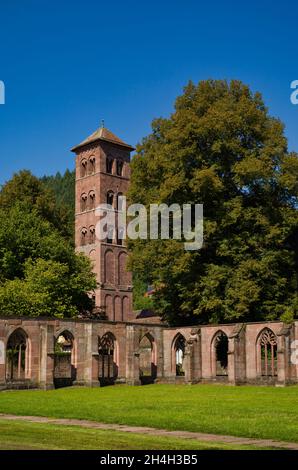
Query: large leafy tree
point(220, 147)
point(49, 288)
point(39, 195)
point(40, 273)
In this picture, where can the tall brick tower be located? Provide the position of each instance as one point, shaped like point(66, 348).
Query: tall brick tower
point(102, 176)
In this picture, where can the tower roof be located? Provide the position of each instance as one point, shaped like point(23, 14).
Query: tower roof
point(102, 133)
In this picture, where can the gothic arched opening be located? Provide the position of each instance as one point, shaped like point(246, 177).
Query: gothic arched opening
point(267, 351)
point(17, 353)
point(179, 351)
point(148, 368)
point(107, 365)
point(64, 367)
point(221, 348)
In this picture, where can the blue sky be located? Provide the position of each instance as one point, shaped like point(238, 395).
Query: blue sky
point(68, 64)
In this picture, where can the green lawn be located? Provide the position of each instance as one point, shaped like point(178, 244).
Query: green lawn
point(258, 412)
point(34, 436)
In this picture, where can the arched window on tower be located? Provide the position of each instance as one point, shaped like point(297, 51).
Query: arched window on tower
point(83, 236)
point(110, 198)
point(91, 200)
point(119, 168)
point(91, 165)
point(83, 168)
point(92, 235)
point(109, 165)
point(84, 198)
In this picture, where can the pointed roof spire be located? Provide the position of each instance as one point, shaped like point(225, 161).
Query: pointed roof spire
point(105, 135)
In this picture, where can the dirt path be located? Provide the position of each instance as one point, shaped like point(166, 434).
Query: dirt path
point(156, 432)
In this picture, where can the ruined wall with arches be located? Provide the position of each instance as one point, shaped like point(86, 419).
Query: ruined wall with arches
point(47, 353)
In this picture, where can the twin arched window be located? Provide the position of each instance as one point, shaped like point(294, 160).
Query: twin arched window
point(88, 167)
point(88, 237)
point(119, 200)
point(110, 166)
point(88, 201)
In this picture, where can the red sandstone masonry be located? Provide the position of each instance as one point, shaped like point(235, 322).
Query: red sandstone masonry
point(114, 291)
point(86, 358)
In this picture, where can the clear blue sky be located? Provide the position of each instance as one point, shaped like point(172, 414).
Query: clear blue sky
point(68, 64)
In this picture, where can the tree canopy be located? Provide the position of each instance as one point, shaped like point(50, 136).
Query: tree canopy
point(221, 148)
point(40, 273)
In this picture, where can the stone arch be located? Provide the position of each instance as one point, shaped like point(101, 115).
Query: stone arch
point(119, 167)
point(108, 352)
point(91, 165)
point(266, 346)
point(122, 272)
point(148, 358)
point(219, 354)
point(18, 356)
point(92, 235)
point(84, 239)
point(83, 167)
point(91, 200)
point(84, 201)
point(118, 308)
point(110, 198)
point(109, 307)
point(178, 354)
point(109, 267)
point(65, 367)
point(109, 164)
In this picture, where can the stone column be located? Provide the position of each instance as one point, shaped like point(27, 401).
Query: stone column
point(236, 355)
point(192, 357)
point(283, 355)
point(46, 371)
point(86, 350)
point(132, 356)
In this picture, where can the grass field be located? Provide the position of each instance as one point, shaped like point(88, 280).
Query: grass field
point(33, 436)
point(258, 412)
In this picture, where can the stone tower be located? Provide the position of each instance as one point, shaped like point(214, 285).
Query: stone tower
point(102, 176)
